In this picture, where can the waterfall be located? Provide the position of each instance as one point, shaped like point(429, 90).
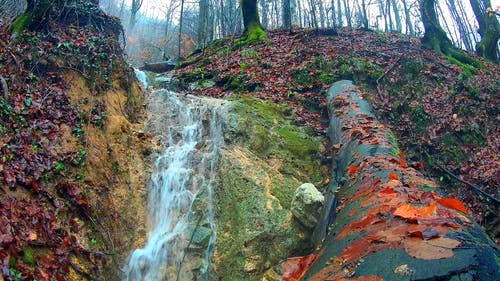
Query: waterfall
point(141, 76)
point(180, 200)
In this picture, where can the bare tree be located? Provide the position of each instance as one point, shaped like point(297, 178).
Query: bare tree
point(434, 36)
point(489, 29)
point(287, 15)
point(409, 23)
point(136, 5)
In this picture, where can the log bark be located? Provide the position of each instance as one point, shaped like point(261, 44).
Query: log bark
point(392, 223)
point(159, 67)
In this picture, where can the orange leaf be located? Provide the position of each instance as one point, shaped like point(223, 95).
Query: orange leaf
point(353, 169)
point(453, 203)
point(412, 213)
point(394, 176)
point(375, 142)
point(295, 268)
point(403, 164)
point(387, 191)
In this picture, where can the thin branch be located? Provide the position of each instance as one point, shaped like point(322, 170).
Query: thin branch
point(495, 201)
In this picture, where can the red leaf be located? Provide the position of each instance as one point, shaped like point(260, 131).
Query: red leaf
point(394, 176)
point(295, 268)
point(453, 203)
point(353, 169)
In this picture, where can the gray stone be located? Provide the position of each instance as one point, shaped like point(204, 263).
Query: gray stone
point(201, 235)
point(306, 205)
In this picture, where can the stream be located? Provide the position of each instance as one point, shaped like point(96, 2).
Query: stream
point(181, 232)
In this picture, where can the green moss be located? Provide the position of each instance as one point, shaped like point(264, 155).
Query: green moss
point(297, 141)
point(412, 68)
point(302, 77)
point(255, 33)
point(267, 129)
point(395, 151)
point(420, 118)
point(451, 148)
point(28, 256)
point(21, 23)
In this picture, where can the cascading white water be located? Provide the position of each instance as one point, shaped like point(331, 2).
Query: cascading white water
point(141, 76)
point(180, 190)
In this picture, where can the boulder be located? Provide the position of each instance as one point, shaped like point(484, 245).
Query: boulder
point(306, 205)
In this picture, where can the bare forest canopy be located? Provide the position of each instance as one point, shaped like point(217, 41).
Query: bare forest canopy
point(152, 27)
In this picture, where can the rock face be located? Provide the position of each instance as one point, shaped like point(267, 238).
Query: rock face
point(264, 159)
point(306, 205)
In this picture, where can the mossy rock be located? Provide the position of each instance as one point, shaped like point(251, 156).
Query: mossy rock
point(266, 158)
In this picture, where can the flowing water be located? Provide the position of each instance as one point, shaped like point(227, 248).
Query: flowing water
point(141, 76)
point(181, 229)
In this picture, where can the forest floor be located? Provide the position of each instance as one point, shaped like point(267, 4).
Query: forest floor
point(444, 113)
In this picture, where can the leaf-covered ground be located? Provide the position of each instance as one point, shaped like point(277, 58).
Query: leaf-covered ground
point(445, 113)
point(42, 201)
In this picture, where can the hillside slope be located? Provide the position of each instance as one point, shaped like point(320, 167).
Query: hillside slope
point(444, 112)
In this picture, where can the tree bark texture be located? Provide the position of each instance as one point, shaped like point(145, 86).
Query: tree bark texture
point(253, 29)
point(489, 29)
point(391, 221)
point(287, 15)
point(434, 37)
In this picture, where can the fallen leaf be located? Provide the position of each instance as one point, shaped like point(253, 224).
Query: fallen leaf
point(295, 268)
point(438, 248)
point(32, 236)
point(353, 169)
point(412, 213)
point(453, 203)
point(394, 176)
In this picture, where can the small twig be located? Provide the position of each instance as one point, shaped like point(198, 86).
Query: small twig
point(5, 88)
point(475, 187)
point(189, 244)
point(389, 69)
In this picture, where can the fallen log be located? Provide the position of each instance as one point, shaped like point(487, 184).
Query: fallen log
point(392, 223)
point(159, 67)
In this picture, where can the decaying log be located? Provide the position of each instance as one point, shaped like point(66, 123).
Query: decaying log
point(159, 67)
point(391, 222)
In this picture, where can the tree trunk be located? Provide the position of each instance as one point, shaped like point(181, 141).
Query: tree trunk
point(434, 36)
point(203, 23)
point(136, 5)
point(365, 15)
point(388, 9)
point(253, 29)
point(321, 13)
point(39, 14)
point(347, 12)
point(179, 43)
point(287, 17)
point(489, 29)
point(391, 222)
point(314, 20)
point(462, 27)
point(265, 13)
point(397, 17)
point(409, 24)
